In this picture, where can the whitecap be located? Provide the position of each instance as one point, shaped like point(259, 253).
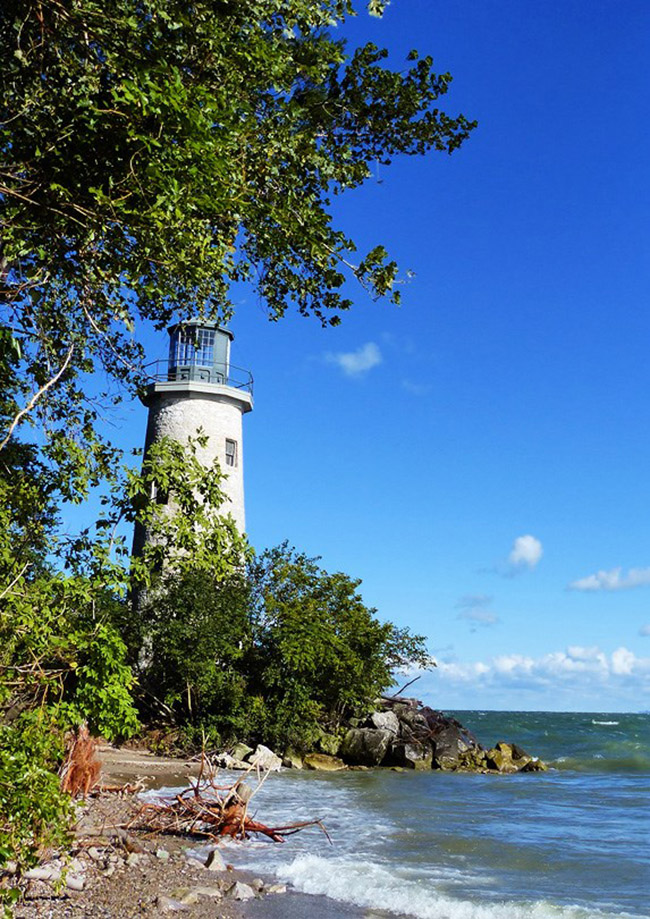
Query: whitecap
point(369, 885)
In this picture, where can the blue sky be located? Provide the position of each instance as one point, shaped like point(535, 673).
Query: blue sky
point(479, 455)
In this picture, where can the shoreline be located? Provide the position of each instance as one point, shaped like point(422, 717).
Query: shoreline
point(153, 874)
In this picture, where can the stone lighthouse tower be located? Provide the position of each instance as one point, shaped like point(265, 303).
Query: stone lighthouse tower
point(198, 388)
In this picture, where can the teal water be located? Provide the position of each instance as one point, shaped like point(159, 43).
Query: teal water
point(571, 843)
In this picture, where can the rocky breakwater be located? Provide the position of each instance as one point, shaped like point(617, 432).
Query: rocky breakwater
point(402, 733)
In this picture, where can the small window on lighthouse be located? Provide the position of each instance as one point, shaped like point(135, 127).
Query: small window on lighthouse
point(231, 452)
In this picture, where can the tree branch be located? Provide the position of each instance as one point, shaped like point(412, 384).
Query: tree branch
point(37, 395)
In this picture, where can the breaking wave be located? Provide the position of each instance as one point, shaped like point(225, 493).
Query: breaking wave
point(368, 885)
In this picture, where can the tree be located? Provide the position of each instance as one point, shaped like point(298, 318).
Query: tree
point(155, 152)
point(65, 618)
point(152, 154)
point(279, 654)
point(322, 653)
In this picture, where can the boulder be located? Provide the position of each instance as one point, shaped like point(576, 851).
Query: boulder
point(365, 746)
point(328, 743)
point(323, 762)
point(385, 721)
point(500, 758)
point(241, 751)
point(226, 761)
point(263, 758)
point(449, 742)
point(474, 760)
point(292, 760)
point(412, 724)
point(409, 755)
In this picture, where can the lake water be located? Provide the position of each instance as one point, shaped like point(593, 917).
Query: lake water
point(570, 843)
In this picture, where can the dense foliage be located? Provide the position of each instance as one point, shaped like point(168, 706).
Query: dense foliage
point(153, 153)
point(277, 654)
point(64, 627)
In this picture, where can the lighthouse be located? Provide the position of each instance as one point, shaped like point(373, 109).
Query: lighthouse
point(198, 388)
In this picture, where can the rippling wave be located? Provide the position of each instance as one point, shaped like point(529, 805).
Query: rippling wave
point(570, 843)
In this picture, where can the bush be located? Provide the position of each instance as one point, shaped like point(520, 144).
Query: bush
point(34, 812)
point(271, 657)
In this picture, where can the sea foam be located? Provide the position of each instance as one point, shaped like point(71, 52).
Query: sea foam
point(368, 885)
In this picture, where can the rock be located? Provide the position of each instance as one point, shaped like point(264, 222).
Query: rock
point(276, 888)
point(170, 905)
point(241, 751)
point(94, 854)
point(215, 893)
point(226, 761)
point(43, 873)
point(10, 867)
point(75, 882)
point(412, 724)
point(133, 859)
point(328, 743)
point(365, 746)
point(323, 762)
point(449, 743)
point(214, 861)
point(263, 758)
point(385, 721)
point(257, 884)
point(535, 765)
point(240, 891)
point(193, 862)
point(501, 759)
point(130, 843)
point(292, 760)
point(409, 755)
point(162, 854)
point(474, 761)
point(185, 895)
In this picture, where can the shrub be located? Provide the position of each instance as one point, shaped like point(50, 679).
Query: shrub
point(270, 657)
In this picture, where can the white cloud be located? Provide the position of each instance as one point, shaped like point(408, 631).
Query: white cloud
point(624, 662)
point(355, 363)
point(525, 553)
point(580, 678)
point(574, 665)
point(645, 631)
point(613, 579)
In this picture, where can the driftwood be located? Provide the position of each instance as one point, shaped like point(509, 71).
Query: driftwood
point(81, 767)
point(212, 811)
